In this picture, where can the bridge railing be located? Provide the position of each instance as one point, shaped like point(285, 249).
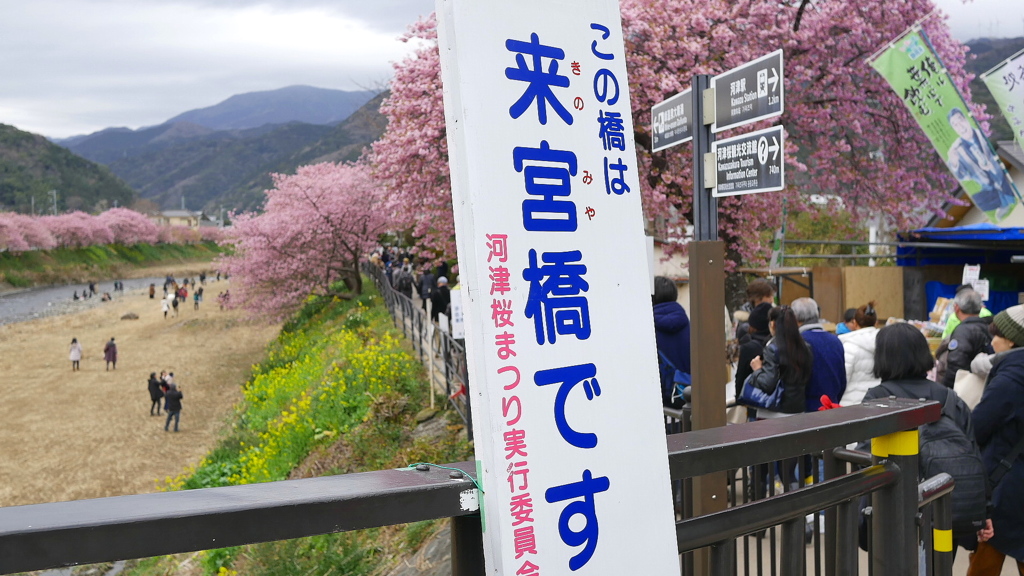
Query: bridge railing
point(444, 356)
point(41, 536)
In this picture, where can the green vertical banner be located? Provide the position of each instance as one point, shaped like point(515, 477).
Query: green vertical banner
point(918, 77)
point(1006, 83)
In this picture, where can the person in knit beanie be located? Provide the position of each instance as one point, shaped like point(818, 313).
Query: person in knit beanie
point(998, 424)
point(1010, 326)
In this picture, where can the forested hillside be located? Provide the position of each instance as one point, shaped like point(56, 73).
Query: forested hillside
point(31, 166)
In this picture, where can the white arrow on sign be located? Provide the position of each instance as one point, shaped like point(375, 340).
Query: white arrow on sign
point(774, 148)
point(774, 80)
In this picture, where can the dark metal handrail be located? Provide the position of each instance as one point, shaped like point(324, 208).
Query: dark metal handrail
point(57, 534)
point(728, 447)
point(66, 533)
point(761, 514)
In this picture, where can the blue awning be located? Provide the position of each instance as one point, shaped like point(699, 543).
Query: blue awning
point(973, 244)
point(983, 231)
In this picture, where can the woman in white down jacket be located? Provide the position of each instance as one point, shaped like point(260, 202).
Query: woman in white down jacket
point(859, 349)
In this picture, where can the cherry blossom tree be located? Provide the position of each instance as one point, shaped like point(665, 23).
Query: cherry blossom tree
point(848, 134)
point(77, 230)
point(315, 227)
point(210, 234)
point(19, 232)
point(178, 235)
point(130, 227)
point(11, 238)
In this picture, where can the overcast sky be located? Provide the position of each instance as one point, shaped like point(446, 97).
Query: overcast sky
point(76, 66)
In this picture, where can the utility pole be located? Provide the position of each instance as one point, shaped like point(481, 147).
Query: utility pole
point(53, 193)
point(33, 198)
point(182, 201)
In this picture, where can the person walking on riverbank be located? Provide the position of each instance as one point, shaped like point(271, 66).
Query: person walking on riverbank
point(110, 354)
point(172, 406)
point(75, 355)
point(156, 393)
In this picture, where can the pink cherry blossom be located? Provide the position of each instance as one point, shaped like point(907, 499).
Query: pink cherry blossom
point(848, 134)
point(315, 228)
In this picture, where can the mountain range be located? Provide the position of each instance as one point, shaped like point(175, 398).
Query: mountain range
point(986, 53)
point(222, 156)
point(31, 167)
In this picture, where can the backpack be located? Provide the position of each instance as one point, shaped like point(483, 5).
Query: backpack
point(673, 382)
point(404, 281)
point(944, 447)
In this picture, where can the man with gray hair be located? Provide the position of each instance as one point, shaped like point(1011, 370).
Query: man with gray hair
point(828, 366)
point(968, 339)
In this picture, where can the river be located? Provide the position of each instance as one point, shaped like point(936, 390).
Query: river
point(54, 300)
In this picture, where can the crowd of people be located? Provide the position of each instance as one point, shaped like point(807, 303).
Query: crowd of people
point(165, 389)
point(787, 354)
point(90, 291)
point(430, 284)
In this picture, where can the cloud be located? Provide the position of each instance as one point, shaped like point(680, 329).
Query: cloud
point(72, 67)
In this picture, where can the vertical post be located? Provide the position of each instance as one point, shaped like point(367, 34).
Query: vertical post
point(845, 537)
point(722, 561)
point(942, 516)
point(467, 546)
point(793, 556)
point(469, 407)
point(894, 508)
point(707, 345)
point(705, 206)
point(831, 466)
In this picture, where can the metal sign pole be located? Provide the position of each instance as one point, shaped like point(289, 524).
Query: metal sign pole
point(707, 278)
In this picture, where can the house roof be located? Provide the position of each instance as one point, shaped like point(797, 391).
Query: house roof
point(179, 214)
point(1011, 152)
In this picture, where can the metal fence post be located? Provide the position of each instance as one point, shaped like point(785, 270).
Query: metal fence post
point(793, 556)
point(894, 525)
point(467, 546)
point(845, 537)
point(722, 562)
point(831, 466)
point(942, 536)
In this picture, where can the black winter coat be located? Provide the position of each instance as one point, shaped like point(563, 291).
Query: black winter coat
point(998, 425)
point(772, 371)
point(752, 348)
point(155, 392)
point(968, 340)
point(173, 400)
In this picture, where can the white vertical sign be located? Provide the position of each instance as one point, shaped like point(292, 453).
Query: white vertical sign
point(559, 327)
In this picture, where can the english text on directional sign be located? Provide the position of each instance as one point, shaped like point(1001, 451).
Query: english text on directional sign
point(671, 121)
point(750, 163)
point(749, 93)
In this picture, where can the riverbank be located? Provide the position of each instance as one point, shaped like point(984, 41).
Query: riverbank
point(89, 434)
point(77, 265)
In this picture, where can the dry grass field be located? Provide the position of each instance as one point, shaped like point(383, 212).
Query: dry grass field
point(70, 435)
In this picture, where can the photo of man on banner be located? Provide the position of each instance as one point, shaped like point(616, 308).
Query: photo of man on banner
point(969, 158)
point(915, 72)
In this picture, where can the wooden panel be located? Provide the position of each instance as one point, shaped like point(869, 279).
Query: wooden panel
point(883, 284)
point(828, 292)
point(707, 360)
